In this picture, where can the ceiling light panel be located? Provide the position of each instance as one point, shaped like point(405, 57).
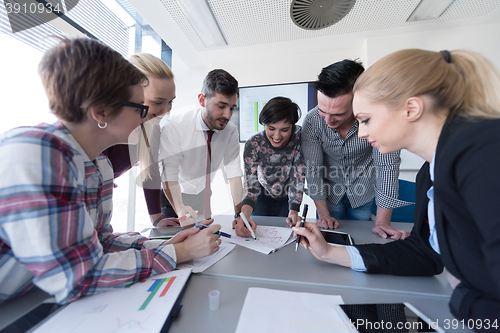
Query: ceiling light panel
point(256, 22)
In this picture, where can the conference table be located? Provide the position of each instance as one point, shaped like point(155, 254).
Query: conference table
point(299, 271)
point(287, 270)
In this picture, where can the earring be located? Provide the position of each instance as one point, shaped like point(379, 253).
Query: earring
point(103, 126)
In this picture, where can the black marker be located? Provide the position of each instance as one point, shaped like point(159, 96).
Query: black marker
point(304, 215)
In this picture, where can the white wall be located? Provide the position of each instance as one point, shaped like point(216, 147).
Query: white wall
point(23, 98)
point(305, 66)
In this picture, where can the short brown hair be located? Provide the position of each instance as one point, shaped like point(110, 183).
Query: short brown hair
point(80, 73)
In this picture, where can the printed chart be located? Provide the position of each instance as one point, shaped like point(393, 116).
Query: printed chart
point(268, 239)
point(139, 307)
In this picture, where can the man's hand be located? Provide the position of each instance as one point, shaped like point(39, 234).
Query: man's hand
point(388, 231)
point(327, 222)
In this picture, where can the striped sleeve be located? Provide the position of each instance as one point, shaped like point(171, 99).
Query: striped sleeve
point(313, 155)
point(387, 185)
point(50, 225)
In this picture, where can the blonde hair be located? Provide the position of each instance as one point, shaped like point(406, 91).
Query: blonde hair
point(467, 85)
point(152, 67)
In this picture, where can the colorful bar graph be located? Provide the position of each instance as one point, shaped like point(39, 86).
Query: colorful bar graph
point(170, 281)
point(256, 111)
point(153, 290)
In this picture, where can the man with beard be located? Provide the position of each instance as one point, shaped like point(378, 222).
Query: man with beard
point(196, 143)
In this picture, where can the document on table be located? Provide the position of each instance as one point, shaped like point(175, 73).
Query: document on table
point(199, 265)
point(143, 306)
point(269, 310)
point(269, 239)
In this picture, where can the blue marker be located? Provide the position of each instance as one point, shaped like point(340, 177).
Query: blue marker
point(220, 233)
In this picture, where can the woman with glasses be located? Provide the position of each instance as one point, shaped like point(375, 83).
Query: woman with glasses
point(445, 107)
point(56, 187)
point(159, 93)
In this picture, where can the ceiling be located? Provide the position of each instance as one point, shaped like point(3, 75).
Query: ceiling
point(254, 26)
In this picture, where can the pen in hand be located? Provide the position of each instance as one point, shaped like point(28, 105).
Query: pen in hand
point(304, 215)
point(220, 233)
point(249, 227)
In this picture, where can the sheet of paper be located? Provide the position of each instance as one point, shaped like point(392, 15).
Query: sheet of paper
point(199, 265)
point(269, 239)
point(141, 307)
point(269, 310)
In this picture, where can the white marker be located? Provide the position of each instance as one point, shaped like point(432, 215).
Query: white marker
point(248, 225)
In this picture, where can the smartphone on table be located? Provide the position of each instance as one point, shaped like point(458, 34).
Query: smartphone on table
point(337, 237)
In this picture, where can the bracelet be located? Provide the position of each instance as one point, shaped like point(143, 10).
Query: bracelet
point(155, 223)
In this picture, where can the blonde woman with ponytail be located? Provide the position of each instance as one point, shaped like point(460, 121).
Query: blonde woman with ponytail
point(159, 93)
point(445, 107)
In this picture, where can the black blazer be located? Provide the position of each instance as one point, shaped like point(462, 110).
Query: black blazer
point(467, 211)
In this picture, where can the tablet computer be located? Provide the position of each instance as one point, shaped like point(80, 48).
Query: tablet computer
point(386, 317)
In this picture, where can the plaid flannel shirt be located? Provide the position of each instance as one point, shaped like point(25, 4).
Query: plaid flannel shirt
point(55, 212)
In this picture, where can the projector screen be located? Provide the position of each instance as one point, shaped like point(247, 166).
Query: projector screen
point(253, 99)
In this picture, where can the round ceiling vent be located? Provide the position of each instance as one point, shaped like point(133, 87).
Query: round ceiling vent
point(319, 14)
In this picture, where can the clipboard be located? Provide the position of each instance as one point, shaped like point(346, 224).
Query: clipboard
point(150, 305)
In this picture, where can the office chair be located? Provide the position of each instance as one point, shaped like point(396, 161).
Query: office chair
point(406, 193)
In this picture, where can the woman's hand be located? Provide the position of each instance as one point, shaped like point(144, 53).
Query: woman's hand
point(293, 218)
point(241, 229)
point(197, 244)
point(313, 240)
point(183, 215)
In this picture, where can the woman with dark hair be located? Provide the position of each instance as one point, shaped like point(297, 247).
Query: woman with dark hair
point(274, 163)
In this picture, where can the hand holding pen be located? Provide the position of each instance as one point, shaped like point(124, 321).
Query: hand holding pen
point(220, 233)
point(243, 226)
point(293, 218)
point(304, 216)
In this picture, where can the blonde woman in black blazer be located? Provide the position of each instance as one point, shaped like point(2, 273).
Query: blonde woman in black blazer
point(445, 107)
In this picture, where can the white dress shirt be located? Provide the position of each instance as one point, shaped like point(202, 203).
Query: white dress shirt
point(183, 151)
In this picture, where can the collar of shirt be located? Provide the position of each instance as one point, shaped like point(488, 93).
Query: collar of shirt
point(90, 166)
point(352, 131)
point(431, 217)
point(200, 125)
point(431, 166)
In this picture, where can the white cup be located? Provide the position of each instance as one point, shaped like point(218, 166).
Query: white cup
point(213, 300)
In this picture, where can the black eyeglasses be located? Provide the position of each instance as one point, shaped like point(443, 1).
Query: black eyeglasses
point(144, 108)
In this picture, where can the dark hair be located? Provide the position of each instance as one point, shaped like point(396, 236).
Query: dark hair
point(277, 109)
point(79, 73)
point(339, 78)
point(219, 81)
